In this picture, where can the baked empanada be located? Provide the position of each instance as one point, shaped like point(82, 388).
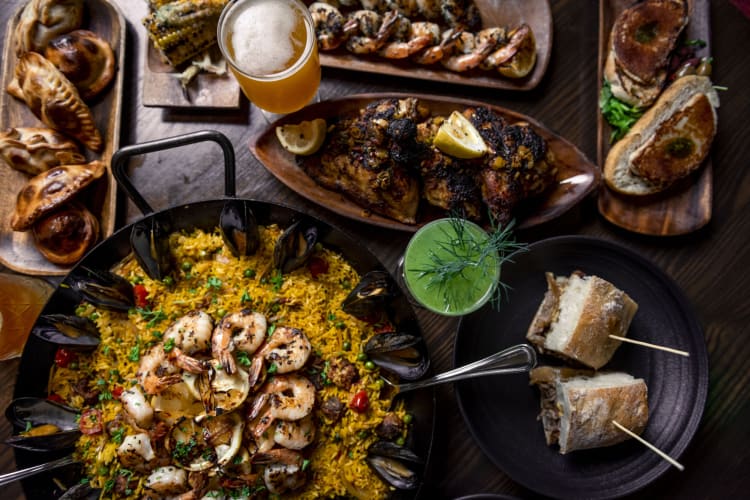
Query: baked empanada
point(50, 189)
point(67, 233)
point(54, 100)
point(85, 58)
point(43, 20)
point(35, 150)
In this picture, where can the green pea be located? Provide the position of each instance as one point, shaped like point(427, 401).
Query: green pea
point(186, 266)
point(249, 273)
point(401, 441)
point(369, 365)
point(169, 281)
point(221, 312)
point(361, 357)
point(347, 346)
point(408, 418)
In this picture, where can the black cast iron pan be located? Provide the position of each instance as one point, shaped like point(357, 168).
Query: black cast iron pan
point(38, 355)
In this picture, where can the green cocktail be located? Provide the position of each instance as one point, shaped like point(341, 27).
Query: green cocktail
point(451, 266)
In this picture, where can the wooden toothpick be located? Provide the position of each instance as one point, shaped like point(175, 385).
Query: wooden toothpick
point(652, 346)
point(653, 448)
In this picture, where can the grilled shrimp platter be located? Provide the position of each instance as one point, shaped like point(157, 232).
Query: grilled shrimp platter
point(379, 164)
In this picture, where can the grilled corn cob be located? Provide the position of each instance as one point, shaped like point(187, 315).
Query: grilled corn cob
point(182, 29)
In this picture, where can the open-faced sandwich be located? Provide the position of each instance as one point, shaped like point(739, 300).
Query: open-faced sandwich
point(578, 407)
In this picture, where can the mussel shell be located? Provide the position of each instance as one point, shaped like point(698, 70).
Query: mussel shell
point(149, 240)
point(73, 332)
point(38, 411)
point(104, 289)
point(394, 464)
point(81, 491)
point(371, 295)
point(295, 245)
point(239, 228)
point(401, 353)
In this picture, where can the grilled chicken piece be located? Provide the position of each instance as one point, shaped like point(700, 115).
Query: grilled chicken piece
point(517, 167)
point(366, 158)
point(447, 182)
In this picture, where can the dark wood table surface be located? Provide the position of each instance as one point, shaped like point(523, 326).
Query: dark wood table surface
point(712, 265)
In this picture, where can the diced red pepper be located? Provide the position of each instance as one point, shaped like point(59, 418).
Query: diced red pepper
point(141, 295)
point(91, 421)
point(317, 266)
point(360, 402)
point(117, 391)
point(56, 398)
point(63, 357)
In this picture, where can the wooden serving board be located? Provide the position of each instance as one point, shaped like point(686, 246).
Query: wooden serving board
point(686, 206)
point(535, 13)
point(17, 249)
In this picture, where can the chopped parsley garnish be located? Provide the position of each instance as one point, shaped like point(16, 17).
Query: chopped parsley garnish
point(135, 354)
point(28, 427)
point(246, 297)
point(183, 450)
point(153, 317)
point(305, 464)
point(243, 359)
point(272, 369)
point(277, 280)
point(168, 345)
point(213, 282)
point(117, 437)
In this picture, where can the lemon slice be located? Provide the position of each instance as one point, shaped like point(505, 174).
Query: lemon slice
point(458, 137)
point(303, 138)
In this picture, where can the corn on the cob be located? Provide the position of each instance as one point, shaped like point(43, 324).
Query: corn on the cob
point(182, 29)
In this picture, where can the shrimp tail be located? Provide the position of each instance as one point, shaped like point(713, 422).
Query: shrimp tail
point(187, 363)
point(278, 456)
point(227, 361)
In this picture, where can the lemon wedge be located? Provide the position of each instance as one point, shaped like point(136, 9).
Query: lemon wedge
point(459, 138)
point(303, 138)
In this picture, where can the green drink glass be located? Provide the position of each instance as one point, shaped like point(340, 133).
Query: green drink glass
point(451, 267)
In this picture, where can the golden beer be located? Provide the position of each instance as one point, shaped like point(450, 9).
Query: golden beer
point(271, 48)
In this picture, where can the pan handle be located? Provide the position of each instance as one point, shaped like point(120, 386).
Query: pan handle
point(121, 157)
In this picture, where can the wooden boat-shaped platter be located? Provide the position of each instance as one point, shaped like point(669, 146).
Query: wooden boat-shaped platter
point(17, 249)
point(535, 13)
point(684, 207)
point(577, 175)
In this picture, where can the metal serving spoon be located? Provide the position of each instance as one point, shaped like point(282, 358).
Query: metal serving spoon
point(35, 469)
point(516, 359)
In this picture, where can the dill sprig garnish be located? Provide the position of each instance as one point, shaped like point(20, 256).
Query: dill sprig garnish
point(460, 252)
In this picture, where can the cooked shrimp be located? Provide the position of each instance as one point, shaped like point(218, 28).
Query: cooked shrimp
point(329, 25)
point(295, 435)
point(135, 404)
point(436, 53)
point(409, 8)
point(290, 397)
point(419, 35)
point(467, 53)
point(168, 480)
point(288, 348)
point(372, 30)
point(460, 14)
point(190, 333)
point(242, 331)
point(509, 46)
point(283, 470)
point(155, 373)
point(430, 9)
point(376, 5)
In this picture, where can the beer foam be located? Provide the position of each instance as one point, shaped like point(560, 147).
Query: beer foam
point(261, 37)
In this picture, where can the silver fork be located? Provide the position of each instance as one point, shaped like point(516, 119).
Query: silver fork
point(516, 359)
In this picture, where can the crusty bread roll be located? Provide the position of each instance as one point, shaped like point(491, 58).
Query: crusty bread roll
point(578, 406)
point(576, 317)
point(668, 142)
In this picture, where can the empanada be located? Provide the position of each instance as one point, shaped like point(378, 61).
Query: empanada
point(85, 58)
point(35, 150)
point(67, 233)
point(54, 100)
point(50, 189)
point(43, 20)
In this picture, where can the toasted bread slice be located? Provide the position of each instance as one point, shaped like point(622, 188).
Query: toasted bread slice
point(644, 35)
point(668, 142)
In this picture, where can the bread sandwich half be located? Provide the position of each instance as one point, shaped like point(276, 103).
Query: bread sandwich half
point(578, 406)
point(669, 142)
point(576, 317)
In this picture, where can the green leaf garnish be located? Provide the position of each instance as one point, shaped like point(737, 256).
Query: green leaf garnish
point(621, 116)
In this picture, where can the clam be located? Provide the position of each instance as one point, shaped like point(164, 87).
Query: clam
point(295, 245)
point(52, 426)
point(401, 353)
point(373, 292)
point(394, 464)
point(239, 229)
point(149, 240)
point(103, 288)
point(71, 332)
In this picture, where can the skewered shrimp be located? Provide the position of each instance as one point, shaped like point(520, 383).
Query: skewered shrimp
point(436, 53)
point(461, 14)
point(467, 53)
point(242, 331)
point(408, 8)
point(372, 30)
point(419, 35)
point(329, 25)
point(288, 348)
point(510, 45)
point(430, 9)
point(283, 470)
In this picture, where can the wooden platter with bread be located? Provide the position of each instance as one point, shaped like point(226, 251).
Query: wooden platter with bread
point(658, 115)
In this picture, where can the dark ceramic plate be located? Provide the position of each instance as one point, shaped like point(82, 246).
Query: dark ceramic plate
point(501, 412)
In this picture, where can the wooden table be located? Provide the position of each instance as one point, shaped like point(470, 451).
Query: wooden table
point(712, 266)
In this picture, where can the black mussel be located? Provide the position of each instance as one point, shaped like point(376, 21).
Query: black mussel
point(401, 353)
point(371, 295)
point(239, 228)
point(394, 464)
point(47, 426)
point(295, 245)
point(81, 491)
point(104, 289)
point(149, 240)
point(72, 332)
